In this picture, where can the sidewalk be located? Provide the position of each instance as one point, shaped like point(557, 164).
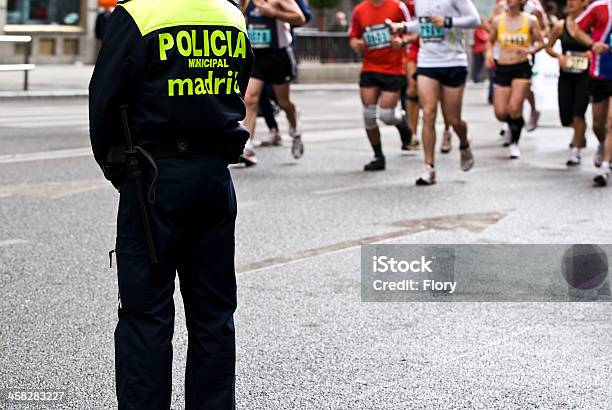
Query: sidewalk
point(48, 81)
point(55, 81)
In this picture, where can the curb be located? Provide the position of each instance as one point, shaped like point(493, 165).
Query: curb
point(54, 94)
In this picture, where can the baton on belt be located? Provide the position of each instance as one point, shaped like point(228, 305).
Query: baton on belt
point(134, 171)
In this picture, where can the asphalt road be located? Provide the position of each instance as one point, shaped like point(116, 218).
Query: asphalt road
point(305, 340)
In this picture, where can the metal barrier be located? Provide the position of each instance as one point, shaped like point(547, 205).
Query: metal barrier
point(323, 47)
point(26, 67)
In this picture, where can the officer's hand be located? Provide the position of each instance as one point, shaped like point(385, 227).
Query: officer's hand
point(437, 20)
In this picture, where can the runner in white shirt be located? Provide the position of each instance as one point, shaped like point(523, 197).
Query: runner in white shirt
point(442, 71)
point(535, 8)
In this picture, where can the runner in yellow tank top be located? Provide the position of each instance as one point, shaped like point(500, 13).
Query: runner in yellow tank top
point(519, 36)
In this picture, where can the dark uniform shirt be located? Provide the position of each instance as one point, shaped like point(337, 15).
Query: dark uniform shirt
point(182, 66)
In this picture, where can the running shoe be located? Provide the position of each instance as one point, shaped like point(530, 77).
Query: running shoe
point(574, 157)
point(297, 147)
point(601, 179)
point(273, 139)
point(248, 157)
point(414, 145)
point(534, 119)
point(514, 151)
point(446, 146)
point(428, 177)
point(377, 164)
point(467, 158)
point(599, 155)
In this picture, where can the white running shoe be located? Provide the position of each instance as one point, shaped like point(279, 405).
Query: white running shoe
point(534, 119)
point(574, 157)
point(514, 151)
point(273, 139)
point(467, 158)
point(446, 146)
point(248, 157)
point(297, 147)
point(428, 177)
point(599, 155)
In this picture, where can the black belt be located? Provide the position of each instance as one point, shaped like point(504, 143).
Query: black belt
point(178, 148)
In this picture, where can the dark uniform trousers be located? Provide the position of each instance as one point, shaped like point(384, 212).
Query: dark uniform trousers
point(192, 221)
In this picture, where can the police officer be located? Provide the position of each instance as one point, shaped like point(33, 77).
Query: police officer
point(165, 105)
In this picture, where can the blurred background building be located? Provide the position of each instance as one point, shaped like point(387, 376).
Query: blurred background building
point(62, 30)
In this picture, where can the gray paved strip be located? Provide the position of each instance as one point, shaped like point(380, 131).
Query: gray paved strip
point(476, 222)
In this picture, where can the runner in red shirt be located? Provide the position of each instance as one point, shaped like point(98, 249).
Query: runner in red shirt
point(383, 74)
point(412, 105)
point(597, 20)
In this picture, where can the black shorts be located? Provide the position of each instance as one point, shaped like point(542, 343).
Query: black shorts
point(600, 90)
point(573, 90)
point(274, 66)
point(506, 73)
point(447, 76)
point(386, 82)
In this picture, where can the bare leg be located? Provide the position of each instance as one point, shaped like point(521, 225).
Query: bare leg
point(452, 101)
point(501, 97)
point(600, 115)
point(579, 125)
point(285, 103)
point(519, 92)
point(608, 142)
point(429, 95)
point(413, 103)
point(251, 100)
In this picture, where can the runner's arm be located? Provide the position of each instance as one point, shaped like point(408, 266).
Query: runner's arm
point(468, 15)
point(355, 32)
point(554, 35)
point(305, 8)
point(539, 43)
point(412, 26)
point(585, 23)
point(284, 10)
point(490, 62)
point(542, 21)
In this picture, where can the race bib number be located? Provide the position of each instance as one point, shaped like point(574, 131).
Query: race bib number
point(260, 36)
point(576, 63)
point(515, 40)
point(430, 33)
point(377, 36)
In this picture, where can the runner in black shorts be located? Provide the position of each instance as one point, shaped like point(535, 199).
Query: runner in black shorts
point(519, 37)
point(441, 72)
point(574, 82)
point(269, 32)
point(383, 71)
